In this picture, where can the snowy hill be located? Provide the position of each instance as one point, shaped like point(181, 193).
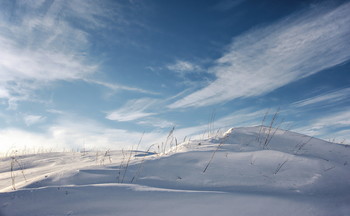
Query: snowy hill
point(245, 171)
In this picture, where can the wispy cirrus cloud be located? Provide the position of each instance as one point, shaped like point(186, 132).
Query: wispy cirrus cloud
point(156, 122)
point(39, 46)
point(47, 41)
point(75, 133)
point(193, 74)
point(182, 66)
point(33, 119)
point(267, 58)
point(132, 110)
point(338, 119)
point(327, 98)
point(325, 126)
point(116, 87)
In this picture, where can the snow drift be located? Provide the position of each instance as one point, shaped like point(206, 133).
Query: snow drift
point(245, 171)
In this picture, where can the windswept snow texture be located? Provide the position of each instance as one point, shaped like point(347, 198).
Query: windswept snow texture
point(253, 171)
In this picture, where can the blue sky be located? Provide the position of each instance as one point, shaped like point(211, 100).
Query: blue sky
point(99, 74)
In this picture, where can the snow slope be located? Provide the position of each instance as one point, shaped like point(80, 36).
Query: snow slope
point(251, 171)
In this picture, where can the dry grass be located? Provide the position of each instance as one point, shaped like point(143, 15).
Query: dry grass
point(223, 140)
point(266, 133)
point(14, 162)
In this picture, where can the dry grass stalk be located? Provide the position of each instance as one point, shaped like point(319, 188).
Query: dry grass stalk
point(129, 158)
point(301, 145)
point(168, 142)
point(15, 161)
point(217, 148)
point(139, 169)
point(121, 166)
point(262, 126)
point(280, 166)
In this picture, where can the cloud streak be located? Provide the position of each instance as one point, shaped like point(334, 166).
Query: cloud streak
point(327, 98)
point(267, 58)
point(39, 46)
point(325, 126)
point(156, 122)
point(116, 87)
point(182, 67)
point(33, 119)
point(132, 110)
point(340, 119)
point(47, 41)
point(75, 134)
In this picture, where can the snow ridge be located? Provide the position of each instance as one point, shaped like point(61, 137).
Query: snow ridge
point(285, 174)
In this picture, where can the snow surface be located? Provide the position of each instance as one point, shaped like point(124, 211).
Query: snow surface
point(253, 171)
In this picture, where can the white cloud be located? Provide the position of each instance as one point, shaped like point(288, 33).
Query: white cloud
point(181, 66)
point(325, 126)
point(328, 98)
point(265, 59)
point(123, 115)
point(241, 118)
point(336, 119)
point(40, 47)
point(132, 110)
point(33, 119)
point(155, 122)
point(75, 134)
point(55, 111)
point(47, 41)
point(80, 132)
point(116, 87)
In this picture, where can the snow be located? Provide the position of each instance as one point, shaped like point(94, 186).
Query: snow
point(290, 174)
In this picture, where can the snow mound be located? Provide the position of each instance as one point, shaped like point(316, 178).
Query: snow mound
point(250, 169)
